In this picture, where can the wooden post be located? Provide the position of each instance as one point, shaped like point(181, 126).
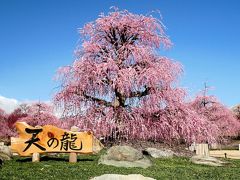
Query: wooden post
point(35, 157)
point(202, 150)
point(73, 156)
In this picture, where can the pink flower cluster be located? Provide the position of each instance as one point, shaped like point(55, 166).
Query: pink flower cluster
point(120, 87)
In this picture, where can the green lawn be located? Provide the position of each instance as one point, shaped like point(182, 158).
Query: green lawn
point(87, 166)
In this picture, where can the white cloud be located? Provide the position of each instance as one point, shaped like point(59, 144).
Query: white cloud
point(8, 104)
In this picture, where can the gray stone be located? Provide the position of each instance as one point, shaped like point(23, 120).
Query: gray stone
point(124, 153)
point(122, 177)
point(97, 145)
point(210, 161)
point(5, 152)
point(160, 153)
point(4, 157)
point(124, 156)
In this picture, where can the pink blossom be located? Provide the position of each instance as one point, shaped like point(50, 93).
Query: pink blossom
point(121, 88)
point(216, 113)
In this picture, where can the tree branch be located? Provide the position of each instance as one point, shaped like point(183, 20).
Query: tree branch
point(120, 98)
point(140, 93)
point(99, 101)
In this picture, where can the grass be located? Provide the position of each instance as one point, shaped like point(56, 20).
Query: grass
point(87, 167)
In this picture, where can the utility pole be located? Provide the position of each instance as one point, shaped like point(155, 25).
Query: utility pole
point(205, 94)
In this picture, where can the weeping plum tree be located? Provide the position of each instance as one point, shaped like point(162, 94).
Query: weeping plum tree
point(120, 87)
point(236, 111)
point(39, 114)
point(18, 113)
point(216, 113)
point(5, 131)
point(3, 114)
point(35, 114)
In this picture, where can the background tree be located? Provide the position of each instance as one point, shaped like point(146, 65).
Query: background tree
point(39, 114)
point(236, 111)
point(3, 114)
point(120, 86)
point(35, 114)
point(18, 113)
point(216, 113)
point(5, 131)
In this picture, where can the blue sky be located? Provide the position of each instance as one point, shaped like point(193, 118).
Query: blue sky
point(37, 37)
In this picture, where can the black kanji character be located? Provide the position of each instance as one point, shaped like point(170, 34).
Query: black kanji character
point(68, 141)
point(33, 139)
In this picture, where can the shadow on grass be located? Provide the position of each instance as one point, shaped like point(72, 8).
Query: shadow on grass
point(49, 158)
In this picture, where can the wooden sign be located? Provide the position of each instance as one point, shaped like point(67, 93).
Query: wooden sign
point(50, 139)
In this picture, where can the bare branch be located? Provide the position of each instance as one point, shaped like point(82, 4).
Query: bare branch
point(98, 100)
point(140, 93)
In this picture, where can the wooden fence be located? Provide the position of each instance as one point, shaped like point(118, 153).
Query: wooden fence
point(232, 154)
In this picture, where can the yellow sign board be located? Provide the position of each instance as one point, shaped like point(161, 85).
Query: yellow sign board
point(50, 139)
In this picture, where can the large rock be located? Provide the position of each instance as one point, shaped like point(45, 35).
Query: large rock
point(125, 156)
point(124, 153)
point(159, 153)
point(210, 161)
point(97, 145)
point(5, 152)
point(122, 177)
